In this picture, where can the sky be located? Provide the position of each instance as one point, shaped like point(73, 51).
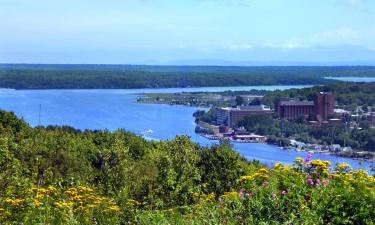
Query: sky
point(187, 31)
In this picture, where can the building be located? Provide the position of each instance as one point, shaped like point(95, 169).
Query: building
point(321, 108)
point(249, 138)
point(324, 103)
point(292, 108)
point(231, 116)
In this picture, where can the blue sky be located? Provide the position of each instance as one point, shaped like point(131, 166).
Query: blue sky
point(183, 31)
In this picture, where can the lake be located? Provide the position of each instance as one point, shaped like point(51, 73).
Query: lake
point(114, 109)
point(353, 79)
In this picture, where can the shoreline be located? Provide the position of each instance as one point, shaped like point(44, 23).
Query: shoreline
point(289, 148)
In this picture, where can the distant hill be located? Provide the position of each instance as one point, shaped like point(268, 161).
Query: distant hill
point(63, 76)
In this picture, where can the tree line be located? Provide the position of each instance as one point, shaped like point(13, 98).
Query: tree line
point(24, 76)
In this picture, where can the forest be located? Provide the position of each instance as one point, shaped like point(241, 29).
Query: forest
point(26, 76)
point(61, 175)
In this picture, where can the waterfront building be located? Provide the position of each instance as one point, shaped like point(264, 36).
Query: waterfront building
point(322, 108)
point(231, 116)
point(292, 108)
point(249, 138)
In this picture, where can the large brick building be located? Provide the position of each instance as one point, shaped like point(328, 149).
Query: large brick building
point(231, 116)
point(324, 104)
point(321, 108)
point(291, 108)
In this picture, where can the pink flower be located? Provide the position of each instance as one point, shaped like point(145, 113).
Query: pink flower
point(273, 196)
point(310, 181)
point(284, 193)
point(241, 194)
point(318, 182)
point(308, 158)
point(325, 182)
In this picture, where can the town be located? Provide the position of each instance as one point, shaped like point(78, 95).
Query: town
point(318, 113)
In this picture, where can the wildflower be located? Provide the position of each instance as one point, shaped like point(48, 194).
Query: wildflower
point(342, 167)
point(308, 158)
point(318, 182)
point(114, 208)
point(241, 194)
point(245, 178)
point(265, 184)
point(134, 202)
point(263, 170)
point(277, 165)
point(284, 192)
point(273, 195)
point(310, 181)
point(325, 182)
point(299, 160)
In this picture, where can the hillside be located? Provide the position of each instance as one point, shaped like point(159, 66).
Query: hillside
point(60, 175)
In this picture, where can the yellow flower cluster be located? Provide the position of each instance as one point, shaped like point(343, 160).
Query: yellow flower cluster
point(299, 160)
point(320, 166)
point(133, 202)
point(231, 195)
point(44, 191)
point(78, 199)
point(14, 202)
point(201, 197)
point(40, 193)
point(280, 167)
point(84, 199)
point(342, 167)
point(261, 174)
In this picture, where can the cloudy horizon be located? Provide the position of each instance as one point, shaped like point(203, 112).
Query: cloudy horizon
point(169, 32)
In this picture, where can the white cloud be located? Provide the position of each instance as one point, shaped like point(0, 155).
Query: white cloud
point(342, 35)
point(240, 47)
point(292, 44)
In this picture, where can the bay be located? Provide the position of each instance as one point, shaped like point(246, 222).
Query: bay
point(115, 109)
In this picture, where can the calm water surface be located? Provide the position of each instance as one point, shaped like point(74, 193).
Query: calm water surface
point(354, 79)
point(113, 109)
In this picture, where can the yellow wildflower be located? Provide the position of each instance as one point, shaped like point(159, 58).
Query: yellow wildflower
point(277, 165)
point(299, 160)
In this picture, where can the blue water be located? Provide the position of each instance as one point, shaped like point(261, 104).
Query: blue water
point(113, 109)
point(354, 79)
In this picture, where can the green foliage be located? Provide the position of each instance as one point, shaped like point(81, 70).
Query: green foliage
point(209, 117)
point(119, 165)
point(220, 169)
point(122, 76)
point(60, 175)
point(239, 100)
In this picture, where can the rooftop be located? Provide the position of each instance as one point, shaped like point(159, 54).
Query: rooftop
point(249, 108)
point(296, 103)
